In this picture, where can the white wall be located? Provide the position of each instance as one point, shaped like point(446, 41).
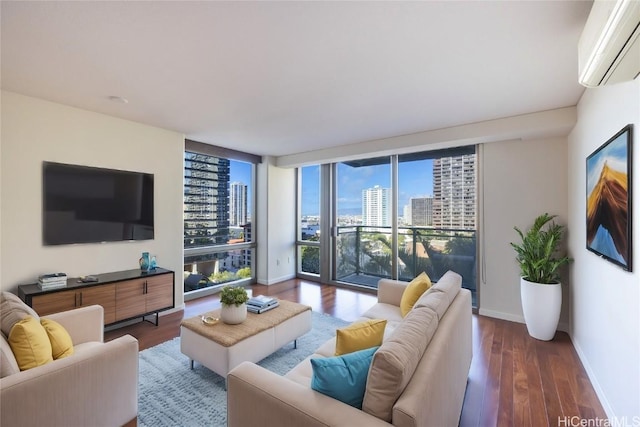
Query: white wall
point(521, 180)
point(35, 130)
point(605, 300)
point(276, 223)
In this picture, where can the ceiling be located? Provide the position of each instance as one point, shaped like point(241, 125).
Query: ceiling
point(280, 78)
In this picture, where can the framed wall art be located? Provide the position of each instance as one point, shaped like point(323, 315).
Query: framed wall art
point(609, 199)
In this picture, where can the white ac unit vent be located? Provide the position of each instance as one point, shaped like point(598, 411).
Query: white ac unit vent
point(609, 48)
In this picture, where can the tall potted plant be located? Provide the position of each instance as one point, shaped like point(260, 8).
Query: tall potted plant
point(234, 307)
point(540, 287)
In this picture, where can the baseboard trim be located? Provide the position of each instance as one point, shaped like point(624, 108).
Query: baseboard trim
point(262, 289)
point(562, 326)
point(500, 315)
point(278, 279)
point(594, 380)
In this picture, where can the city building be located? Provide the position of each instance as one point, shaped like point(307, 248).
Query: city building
point(454, 190)
point(421, 211)
point(376, 206)
point(206, 210)
point(237, 204)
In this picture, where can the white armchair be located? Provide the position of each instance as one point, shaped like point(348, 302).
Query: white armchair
point(96, 386)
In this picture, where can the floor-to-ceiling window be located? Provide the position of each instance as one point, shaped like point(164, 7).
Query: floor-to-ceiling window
point(399, 215)
point(309, 220)
point(219, 244)
point(363, 238)
point(438, 205)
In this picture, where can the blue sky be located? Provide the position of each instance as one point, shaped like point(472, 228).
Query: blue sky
point(415, 179)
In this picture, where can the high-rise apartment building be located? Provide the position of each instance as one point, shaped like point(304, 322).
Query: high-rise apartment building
point(376, 206)
point(421, 211)
point(206, 200)
point(454, 191)
point(237, 204)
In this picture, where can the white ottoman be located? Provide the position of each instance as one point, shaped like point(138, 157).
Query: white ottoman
point(222, 347)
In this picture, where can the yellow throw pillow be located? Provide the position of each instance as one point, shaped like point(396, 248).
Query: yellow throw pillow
point(30, 343)
point(61, 344)
point(360, 336)
point(413, 291)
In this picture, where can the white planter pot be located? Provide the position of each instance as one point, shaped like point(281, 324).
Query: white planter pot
point(232, 314)
point(541, 306)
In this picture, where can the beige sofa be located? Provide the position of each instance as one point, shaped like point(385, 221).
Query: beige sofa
point(424, 359)
point(96, 386)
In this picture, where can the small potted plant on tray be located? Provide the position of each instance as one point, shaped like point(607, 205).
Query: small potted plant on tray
point(234, 307)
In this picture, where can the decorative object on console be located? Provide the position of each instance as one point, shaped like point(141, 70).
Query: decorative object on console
point(52, 281)
point(144, 261)
point(540, 288)
point(609, 199)
point(234, 307)
point(153, 263)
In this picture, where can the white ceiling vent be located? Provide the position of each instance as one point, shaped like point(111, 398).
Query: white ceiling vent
point(609, 50)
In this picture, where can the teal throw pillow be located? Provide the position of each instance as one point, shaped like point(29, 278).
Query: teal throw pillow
point(343, 377)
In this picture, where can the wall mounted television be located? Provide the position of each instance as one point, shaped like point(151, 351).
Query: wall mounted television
point(82, 204)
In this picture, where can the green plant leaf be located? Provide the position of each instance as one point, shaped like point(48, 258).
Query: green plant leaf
point(233, 295)
point(537, 253)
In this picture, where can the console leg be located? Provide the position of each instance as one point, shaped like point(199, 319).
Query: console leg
point(144, 318)
point(192, 364)
point(295, 344)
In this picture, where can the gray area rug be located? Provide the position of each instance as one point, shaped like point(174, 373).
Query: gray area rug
point(171, 394)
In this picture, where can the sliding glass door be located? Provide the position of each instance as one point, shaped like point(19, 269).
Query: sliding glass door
point(393, 217)
point(363, 238)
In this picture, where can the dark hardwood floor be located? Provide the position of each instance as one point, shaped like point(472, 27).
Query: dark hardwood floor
point(514, 380)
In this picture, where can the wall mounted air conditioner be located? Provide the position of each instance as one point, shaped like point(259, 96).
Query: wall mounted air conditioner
point(609, 48)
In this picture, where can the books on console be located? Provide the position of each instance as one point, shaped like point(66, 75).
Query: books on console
point(52, 281)
point(261, 303)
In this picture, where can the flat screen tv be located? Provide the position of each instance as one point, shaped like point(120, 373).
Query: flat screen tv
point(84, 204)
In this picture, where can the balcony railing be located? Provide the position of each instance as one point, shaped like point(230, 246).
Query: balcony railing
point(363, 254)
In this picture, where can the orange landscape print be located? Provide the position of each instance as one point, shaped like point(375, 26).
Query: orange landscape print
point(608, 200)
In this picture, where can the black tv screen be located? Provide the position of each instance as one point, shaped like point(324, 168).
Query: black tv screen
point(84, 204)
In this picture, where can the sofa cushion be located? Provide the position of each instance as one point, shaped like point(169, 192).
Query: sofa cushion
point(360, 336)
point(450, 283)
point(343, 377)
point(61, 343)
point(435, 300)
point(30, 343)
point(12, 310)
point(412, 292)
point(384, 311)
point(396, 360)
point(8, 364)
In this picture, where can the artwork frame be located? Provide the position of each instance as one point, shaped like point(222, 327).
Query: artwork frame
point(608, 202)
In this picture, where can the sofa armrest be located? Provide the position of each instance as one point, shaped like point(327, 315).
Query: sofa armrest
point(97, 386)
point(84, 324)
point(390, 291)
point(277, 401)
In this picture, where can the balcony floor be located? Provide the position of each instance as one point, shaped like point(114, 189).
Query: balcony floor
point(361, 279)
